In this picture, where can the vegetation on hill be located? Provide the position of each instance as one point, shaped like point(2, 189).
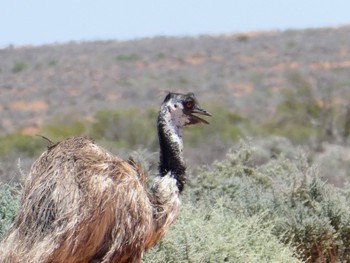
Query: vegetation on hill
point(266, 200)
point(244, 73)
point(239, 211)
point(299, 117)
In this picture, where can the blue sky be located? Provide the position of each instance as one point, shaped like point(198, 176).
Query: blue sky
point(37, 22)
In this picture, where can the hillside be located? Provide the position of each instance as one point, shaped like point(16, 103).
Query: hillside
point(292, 84)
point(243, 72)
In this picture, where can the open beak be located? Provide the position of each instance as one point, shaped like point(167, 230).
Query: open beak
point(199, 111)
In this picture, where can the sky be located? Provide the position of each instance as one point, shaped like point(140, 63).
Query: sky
point(38, 22)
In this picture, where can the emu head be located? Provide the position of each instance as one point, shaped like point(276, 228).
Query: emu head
point(183, 109)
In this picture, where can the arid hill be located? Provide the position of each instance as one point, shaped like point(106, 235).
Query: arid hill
point(244, 72)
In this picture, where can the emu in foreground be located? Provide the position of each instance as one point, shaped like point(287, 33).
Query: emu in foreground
point(82, 204)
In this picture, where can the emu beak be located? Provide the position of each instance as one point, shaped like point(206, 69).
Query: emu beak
point(195, 119)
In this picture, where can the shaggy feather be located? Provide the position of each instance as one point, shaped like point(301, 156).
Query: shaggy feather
point(82, 204)
point(74, 219)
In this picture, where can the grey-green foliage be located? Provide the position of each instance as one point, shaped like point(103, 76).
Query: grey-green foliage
point(19, 143)
point(126, 128)
point(19, 66)
point(9, 203)
point(203, 234)
point(306, 212)
point(238, 211)
point(223, 219)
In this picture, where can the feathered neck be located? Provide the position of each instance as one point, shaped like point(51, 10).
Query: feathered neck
point(171, 149)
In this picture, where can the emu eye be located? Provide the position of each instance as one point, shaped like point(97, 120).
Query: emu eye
point(189, 104)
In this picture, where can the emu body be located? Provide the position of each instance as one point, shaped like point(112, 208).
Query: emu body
point(80, 203)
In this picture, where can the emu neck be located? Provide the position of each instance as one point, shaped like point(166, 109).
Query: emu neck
point(171, 150)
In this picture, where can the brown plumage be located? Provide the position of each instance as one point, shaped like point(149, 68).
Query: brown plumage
point(80, 203)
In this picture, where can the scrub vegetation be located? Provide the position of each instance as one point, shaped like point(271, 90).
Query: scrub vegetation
point(271, 171)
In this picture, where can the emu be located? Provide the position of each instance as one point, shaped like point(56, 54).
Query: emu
point(82, 204)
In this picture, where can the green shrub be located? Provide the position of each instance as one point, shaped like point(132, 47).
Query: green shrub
point(306, 114)
point(225, 125)
point(125, 128)
point(311, 215)
point(19, 143)
point(160, 55)
point(128, 57)
point(19, 66)
point(298, 108)
point(52, 63)
point(293, 130)
point(243, 37)
point(9, 203)
point(62, 129)
point(203, 234)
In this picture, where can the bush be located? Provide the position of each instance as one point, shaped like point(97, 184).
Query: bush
point(63, 129)
point(306, 212)
point(128, 57)
point(238, 211)
point(19, 66)
point(232, 127)
point(125, 128)
point(296, 112)
point(9, 203)
point(242, 37)
point(19, 143)
point(215, 234)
